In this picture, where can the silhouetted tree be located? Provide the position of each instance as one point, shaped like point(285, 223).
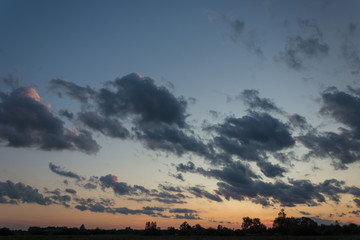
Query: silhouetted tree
point(151, 229)
point(185, 228)
point(82, 227)
point(252, 225)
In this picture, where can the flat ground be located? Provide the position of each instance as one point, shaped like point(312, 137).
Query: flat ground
point(127, 237)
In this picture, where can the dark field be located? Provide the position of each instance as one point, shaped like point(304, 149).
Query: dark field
point(134, 237)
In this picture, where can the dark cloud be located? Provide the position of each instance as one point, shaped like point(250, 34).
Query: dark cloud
point(82, 94)
point(178, 176)
point(357, 201)
point(342, 147)
point(172, 139)
point(107, 206)
point(62, 200)
point(300, 48)
point(214, 114)
point(349, 49)
point(238, 182)
point(140, 97)
point(90, 186)
point(305, 213)
point(297, 49)
point(19, 192)
point(270, 170)
point(182, 210)
point(170, 188)
point(250, 137)
point(237, 28)
point(343, 107)
point(11, 81)
point(66, 113)
point(60, 171)
point(120, 188)
point(253, 101)
point(200, 192)
point(187, 216)
point(298, 121)
point(107, 126)
point(71, 191)
point(235, 173)
point(27, 122)
point(168, 198)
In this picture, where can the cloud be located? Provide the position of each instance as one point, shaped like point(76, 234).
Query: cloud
point(182, 210)
point(357, 201)
point(171, 139)
point(239, 35)
point(349, 49)
point(250, 137)
point(66, 113)
point(298, 121)
point(168, 198)
point(82, 94)
point(235, 173)
point(140, 97)
point(187, 216)
point(305, 213)
point(71, 191)
point(59, 171)
point(107, 206)
point(11, 81)
point(200, 192)
point(238, 182)
point(107, 126)
point(299, 48)
point(270, 170)
point(253, 101)
point(19, 192)
point(170, 188)
point(341, 147)
point(27, 122)
point(120, 188)
point(343, 107)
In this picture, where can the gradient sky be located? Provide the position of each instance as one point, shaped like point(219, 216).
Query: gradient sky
point(114, 113)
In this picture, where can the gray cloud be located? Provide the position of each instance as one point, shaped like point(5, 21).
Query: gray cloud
point(11, 81)
point(59, 171)
point(27, 122)
point(19, 192)
point(120, 188)
point(270, 170)
point(82, 94)
point(239, 35)
point(200, 192)
point(71, 191)
point(171, 139)
point(170, 188)
point(66, 113)
point(140, 97)
point(240, 183)
point(250, 137)
point(341, 147)
point(349, 49)
point(299, 48)
point(107, 126)
point(253, 101)
point(357, 201)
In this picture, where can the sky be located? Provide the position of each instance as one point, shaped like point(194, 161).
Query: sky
point(114, 113)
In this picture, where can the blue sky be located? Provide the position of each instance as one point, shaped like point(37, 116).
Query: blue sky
point(178, 110)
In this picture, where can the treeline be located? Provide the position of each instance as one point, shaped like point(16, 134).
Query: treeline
point(282, 225)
